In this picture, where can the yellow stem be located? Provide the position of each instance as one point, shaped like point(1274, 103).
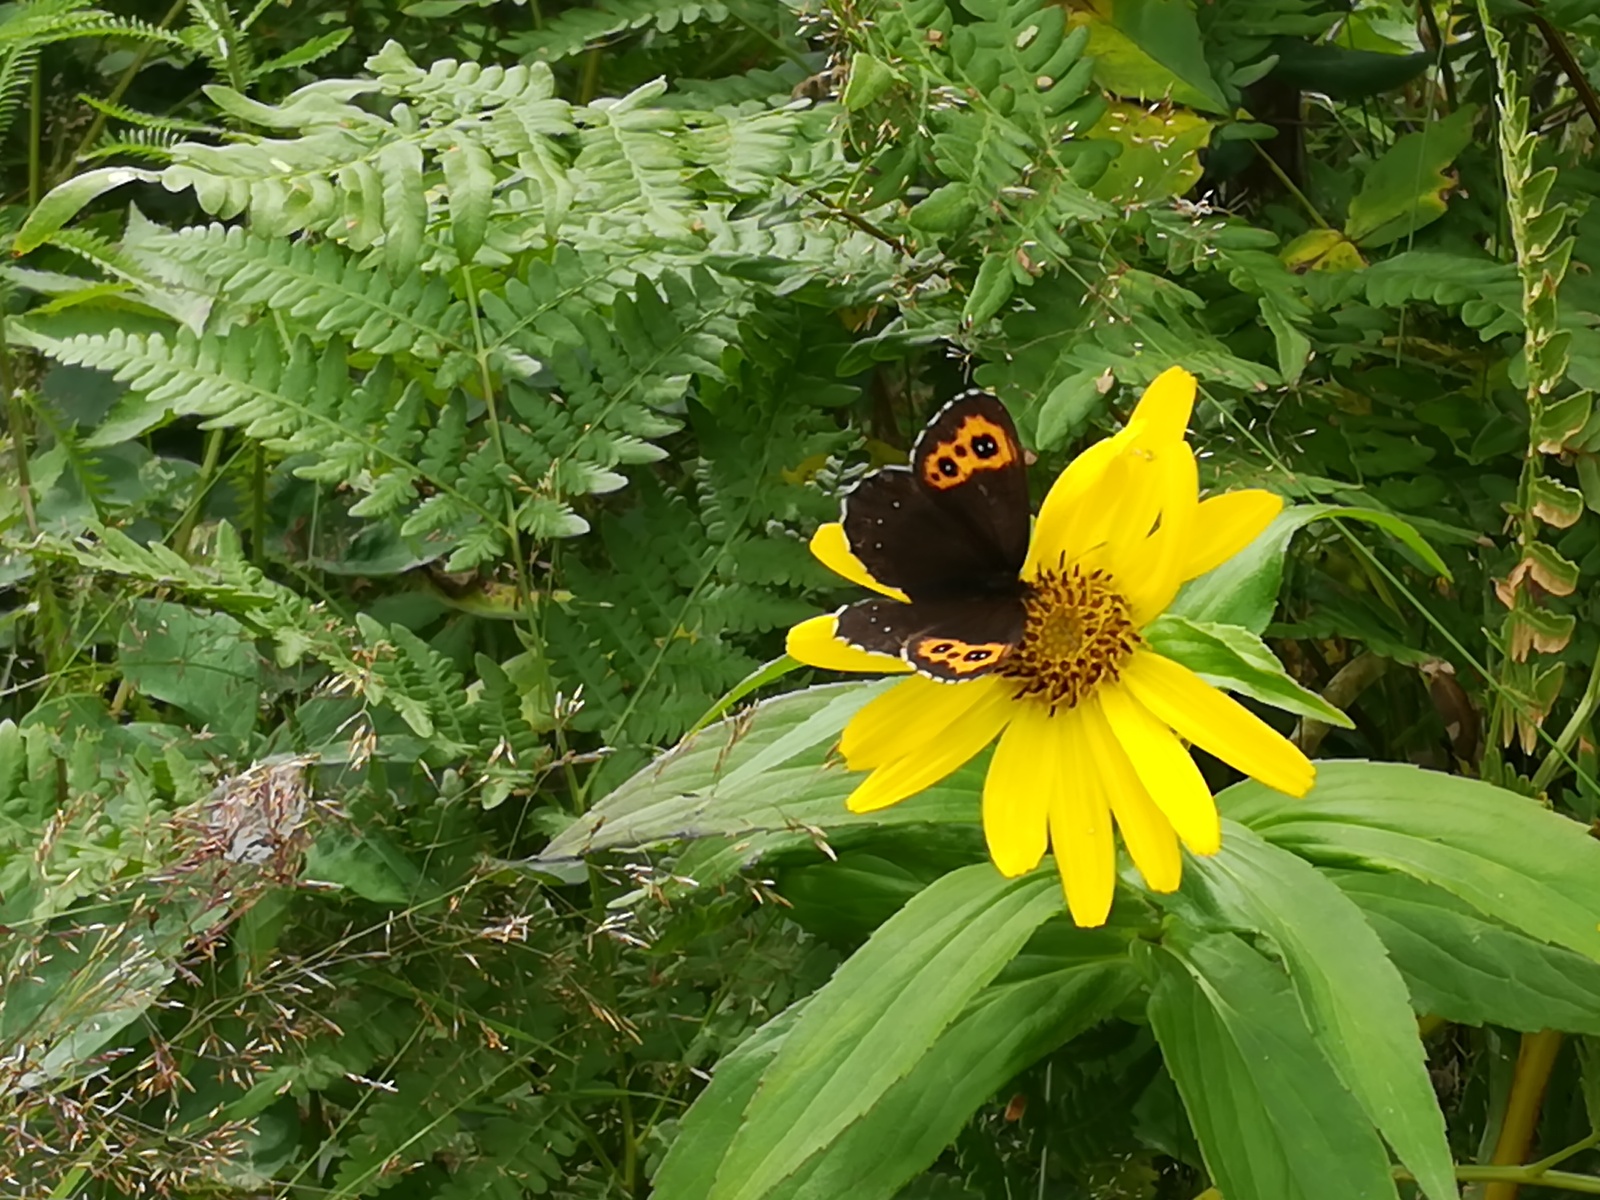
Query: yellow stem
point(1535, 1059)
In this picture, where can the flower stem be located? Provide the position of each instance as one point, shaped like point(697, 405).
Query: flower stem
point(1535, 1060)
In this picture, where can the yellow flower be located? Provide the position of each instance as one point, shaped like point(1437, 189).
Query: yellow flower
point(1089, 718)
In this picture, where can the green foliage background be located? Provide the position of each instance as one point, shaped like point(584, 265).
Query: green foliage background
point(415, 417)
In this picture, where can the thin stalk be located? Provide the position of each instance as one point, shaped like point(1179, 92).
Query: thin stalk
point(1293, 189)
point(591, 76)
point(1446, 74)
point(124, 82)
point(1535, 1060)
point(519, 560)
point(258, 505)
point(35, 136)
point(202, 484)
point(1587, 1185)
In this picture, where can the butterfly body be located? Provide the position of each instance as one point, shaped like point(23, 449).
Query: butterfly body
point(950, 531)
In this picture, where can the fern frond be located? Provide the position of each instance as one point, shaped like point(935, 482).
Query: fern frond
point(17, 66)
point(323, 290)
point(575, 29)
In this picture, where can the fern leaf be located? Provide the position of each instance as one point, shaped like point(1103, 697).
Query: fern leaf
point(576, 29)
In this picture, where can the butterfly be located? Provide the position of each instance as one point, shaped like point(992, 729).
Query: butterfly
point(950, 530)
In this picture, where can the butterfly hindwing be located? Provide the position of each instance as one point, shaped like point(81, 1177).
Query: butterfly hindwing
point(947, 639)
point(955, 522)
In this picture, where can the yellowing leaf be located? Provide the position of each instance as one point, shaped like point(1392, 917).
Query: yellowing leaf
point(1322, 250)
point(1160, 155)
point(1406, 188)
point(1122, 68)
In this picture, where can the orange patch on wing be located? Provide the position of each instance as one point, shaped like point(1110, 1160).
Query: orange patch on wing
point(978, 444)
point(957, 657)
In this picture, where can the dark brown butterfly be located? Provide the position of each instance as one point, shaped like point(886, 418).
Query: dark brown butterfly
point(950, 530)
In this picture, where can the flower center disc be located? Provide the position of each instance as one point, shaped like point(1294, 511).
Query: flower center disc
point(1078, 634)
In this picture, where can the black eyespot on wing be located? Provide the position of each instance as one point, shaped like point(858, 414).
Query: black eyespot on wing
point(950, 639)
point(987, 491)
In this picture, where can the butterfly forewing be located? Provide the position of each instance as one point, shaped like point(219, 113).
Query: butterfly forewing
point(951, 531)
point(955, 522)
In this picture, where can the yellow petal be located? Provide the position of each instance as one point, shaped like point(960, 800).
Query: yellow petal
point(1064, 501)
point(1019, 788)
point(894, 781)
point(1163, 412)
point(1160, 417)
point(1148, 573)
point(1148, 834)
point(1080, 825)
point(1217, 723)
point(832, 550)
point(1225, 525)
point(1084, 506)
point(907, 717)
point(1165, 768)
point(817, 644)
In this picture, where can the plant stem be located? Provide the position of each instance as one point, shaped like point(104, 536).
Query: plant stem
point(1294, 190)
point(35, 136)
point(202, 485)
point(1587, 1185)
point(1535, 1060)
point(1557, 756)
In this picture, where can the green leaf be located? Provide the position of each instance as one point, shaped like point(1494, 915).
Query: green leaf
point(870, 80)
point(1353, 998)
point(1405, 189)
point(1073, 980)
point(1124, 68)
point(1506, 855)
point(767, 770)
point(878, 1016)
point(1166, 30)
point(469, 175)
point(202, 662)
point(1237, 660)
point(1272, 1118)
point(1471, 970)
point(64, 201)
point(991, 289)
point(1244, 590)
point(944, 209)
point(1343, 73)
point(405, 206)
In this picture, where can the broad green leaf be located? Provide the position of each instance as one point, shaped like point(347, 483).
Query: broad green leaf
point(1071, 979)
point(1471, 970)
point(1273, 1120)
point(1009, 1026)
point(878, 1016)
point(1237, 660)
point(1123, 68)
point(202, 662)
point(709, 1127)
point(1166, 30)
point(1405, 189)
point(64, 201)
point(1244, 590)
point(769, 770)
point(1353, 998)
point(1344, 73)
point(1506, 855)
